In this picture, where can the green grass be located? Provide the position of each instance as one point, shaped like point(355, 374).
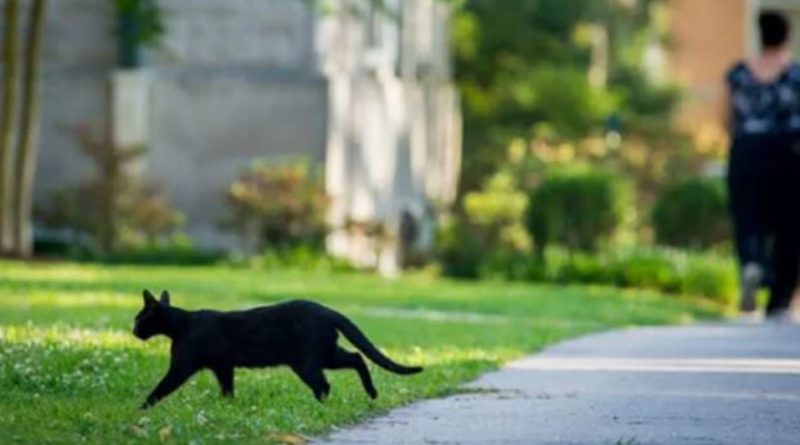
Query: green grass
point(71, 372)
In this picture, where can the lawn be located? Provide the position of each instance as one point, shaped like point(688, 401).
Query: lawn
point(72, 372)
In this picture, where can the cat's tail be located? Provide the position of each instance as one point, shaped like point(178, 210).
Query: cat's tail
point(360, 341)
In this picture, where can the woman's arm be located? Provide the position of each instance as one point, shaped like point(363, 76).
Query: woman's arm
point(726, 113)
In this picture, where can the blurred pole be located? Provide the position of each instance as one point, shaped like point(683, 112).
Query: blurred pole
point(29, 132)
point(7, 125)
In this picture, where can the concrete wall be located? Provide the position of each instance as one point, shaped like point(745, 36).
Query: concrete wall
point(207, 130)
point(236, 33)
point(394, 131)
point(231, 81)
point(78, 54)
point(237, 80)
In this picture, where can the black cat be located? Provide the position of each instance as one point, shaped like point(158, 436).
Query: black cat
point(300, 334)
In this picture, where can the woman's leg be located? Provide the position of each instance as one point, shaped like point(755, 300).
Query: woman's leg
point(748, 213)
point(787, 269)
point(787, 229)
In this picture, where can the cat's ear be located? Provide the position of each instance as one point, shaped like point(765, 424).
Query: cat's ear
point(149, 299)
point(164, 298)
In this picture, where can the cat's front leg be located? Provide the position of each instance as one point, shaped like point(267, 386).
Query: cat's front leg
point(224, 376)
point(176, 376)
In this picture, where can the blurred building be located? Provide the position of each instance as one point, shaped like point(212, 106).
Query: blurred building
point(364, 90)
point(709, 36)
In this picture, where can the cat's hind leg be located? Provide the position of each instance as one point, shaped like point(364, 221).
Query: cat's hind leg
point(310, 372)
point(343, 359)
point(224, 376)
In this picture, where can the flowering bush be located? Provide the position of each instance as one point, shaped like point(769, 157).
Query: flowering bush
point(279, 206)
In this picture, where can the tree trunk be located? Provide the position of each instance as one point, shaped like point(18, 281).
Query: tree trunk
point(7, 124)
point(29, 134)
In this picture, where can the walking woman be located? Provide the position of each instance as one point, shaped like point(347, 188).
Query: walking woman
point(763, 117)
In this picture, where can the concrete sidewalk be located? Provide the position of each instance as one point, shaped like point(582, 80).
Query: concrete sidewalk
point(703, 384)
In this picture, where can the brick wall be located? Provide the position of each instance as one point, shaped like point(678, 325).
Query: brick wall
point(709, 36)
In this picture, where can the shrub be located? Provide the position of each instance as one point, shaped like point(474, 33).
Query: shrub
point(112, 212)
point(670, 271)
point(660, 269)
point(579, 209)
point(711, 277)
point(704, 275)
point(152, 217)
point(143, 217)
point(279, 206)
point(458, 250)
point(578, 267)
point(498, 205)
point(179, 251)
point(692, 214)
point(488, 239)
point(508, 264)
point(300, 258)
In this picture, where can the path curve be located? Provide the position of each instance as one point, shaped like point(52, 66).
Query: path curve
point(699, 384)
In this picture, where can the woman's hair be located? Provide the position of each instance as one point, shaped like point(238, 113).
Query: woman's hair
point(774, 28)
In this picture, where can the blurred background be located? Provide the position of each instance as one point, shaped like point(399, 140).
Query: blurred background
point(542, 139)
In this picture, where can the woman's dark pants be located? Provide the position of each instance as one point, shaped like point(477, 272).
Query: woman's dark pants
point(764, 194)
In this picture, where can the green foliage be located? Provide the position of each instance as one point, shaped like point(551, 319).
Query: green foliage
point(151, 216)
point(299, 258)
point(709, 277)
point(526, 67)
point(692, 214)
point(179, 250)
point(706, 276)
point(458, 249)
point(279, 206)
point(71, 371)
point(579, 209)
point(490, 236)
point(147, 17)
point(498, 205)
point(650, 268)
point(574, 108)
point(648, 106)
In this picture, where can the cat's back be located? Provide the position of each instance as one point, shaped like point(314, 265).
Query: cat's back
point(280, 328)
point(283, 314)
point(285, 317)
point(282, 309)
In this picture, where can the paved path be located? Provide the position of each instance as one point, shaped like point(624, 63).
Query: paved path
point(715, 384)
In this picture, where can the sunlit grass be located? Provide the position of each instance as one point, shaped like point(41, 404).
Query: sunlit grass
point(70, 371)
point(53, 298)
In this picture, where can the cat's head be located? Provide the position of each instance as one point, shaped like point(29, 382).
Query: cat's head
point(153, 318)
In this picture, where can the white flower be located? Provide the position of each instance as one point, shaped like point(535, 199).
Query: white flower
point(201, 418)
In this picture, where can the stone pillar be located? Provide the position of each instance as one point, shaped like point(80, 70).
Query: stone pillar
point(130, 108)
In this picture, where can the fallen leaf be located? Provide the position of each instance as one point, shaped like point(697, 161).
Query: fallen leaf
point(138, 431)
point(165, 434)
point(288, 439)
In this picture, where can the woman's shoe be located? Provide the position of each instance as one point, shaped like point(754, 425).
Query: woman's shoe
point(782, 317)
point(752, 275)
